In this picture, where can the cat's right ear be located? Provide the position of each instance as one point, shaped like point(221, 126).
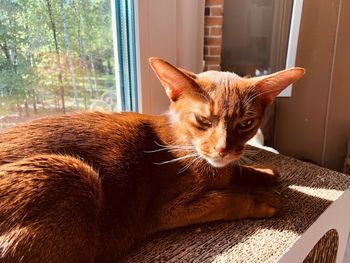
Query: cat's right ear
point(175, 82)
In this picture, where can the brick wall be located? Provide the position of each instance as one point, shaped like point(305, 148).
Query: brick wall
point(213, 34)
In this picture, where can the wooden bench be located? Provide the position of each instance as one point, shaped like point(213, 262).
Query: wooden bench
point(316, 204)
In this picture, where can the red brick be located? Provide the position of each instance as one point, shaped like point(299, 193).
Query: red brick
point(214, 67)
point(213, 21)
point(214, 2)
point(206, 31)
point(211, 41)
point(206, 50)
point(213, 34)
point(215, 31)
point(212, 58)
point(215, 51)
point(216, 11)
point(209, 63)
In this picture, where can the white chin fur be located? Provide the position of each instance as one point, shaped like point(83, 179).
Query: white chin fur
point(218, 164)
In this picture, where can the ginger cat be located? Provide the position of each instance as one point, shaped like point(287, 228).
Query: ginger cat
point(86, 187)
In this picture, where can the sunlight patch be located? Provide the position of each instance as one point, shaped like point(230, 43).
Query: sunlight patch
point(328, 194)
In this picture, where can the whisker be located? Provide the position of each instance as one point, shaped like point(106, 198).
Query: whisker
point(183, 169)
point(165, 149)
point(240, 170)
point(176, 159)
point(154, 151)
point(175, 146)
point(237, 162)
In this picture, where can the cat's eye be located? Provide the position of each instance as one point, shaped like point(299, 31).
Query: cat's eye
point(246, 124)
point(202, 121)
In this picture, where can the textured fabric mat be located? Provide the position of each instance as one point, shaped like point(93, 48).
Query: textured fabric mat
point(306, 191)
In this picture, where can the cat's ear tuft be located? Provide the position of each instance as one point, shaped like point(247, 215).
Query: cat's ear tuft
point(173, 80)
point(271, 85)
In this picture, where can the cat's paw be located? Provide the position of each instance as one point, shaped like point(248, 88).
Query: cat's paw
point(265, 205)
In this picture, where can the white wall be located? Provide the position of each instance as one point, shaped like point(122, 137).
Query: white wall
point(172, 30)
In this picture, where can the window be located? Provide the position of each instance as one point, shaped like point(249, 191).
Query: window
point(56, 57)
point(260, 36)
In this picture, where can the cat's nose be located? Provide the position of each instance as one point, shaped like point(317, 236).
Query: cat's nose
point(221, 151)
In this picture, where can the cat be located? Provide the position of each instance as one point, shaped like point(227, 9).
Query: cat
point(87, 187)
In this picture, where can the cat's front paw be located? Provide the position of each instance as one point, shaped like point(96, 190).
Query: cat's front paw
point(265, 205)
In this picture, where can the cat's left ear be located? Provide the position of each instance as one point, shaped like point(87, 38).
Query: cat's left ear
point(271, 85)
point(176, 82)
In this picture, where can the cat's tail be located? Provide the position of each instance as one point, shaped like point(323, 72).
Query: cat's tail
point(48, 210)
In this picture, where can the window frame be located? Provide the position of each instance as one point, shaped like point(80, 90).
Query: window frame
point(165, 29)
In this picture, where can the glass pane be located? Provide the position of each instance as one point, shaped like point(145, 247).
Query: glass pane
point(255, 36)
point(56, 56)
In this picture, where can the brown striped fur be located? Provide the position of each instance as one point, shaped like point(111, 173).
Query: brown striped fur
point(87, 187)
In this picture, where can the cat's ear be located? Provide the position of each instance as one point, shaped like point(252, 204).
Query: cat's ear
point(188, 73)
point(271, 85)
point(175, 81)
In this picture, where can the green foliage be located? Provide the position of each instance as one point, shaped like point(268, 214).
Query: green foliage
point(34, 73)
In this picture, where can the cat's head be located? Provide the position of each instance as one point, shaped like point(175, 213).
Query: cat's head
point(218, 112)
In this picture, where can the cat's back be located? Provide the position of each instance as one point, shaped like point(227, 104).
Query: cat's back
point(61, 177)
point(87, 135)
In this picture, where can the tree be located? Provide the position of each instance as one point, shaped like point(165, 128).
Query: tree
point(58, 58)
point(54, 53)
point(68, 50)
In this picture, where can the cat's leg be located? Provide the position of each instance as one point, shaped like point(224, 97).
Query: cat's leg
point(48, 210)
point(215, 206)
point(254, 176)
